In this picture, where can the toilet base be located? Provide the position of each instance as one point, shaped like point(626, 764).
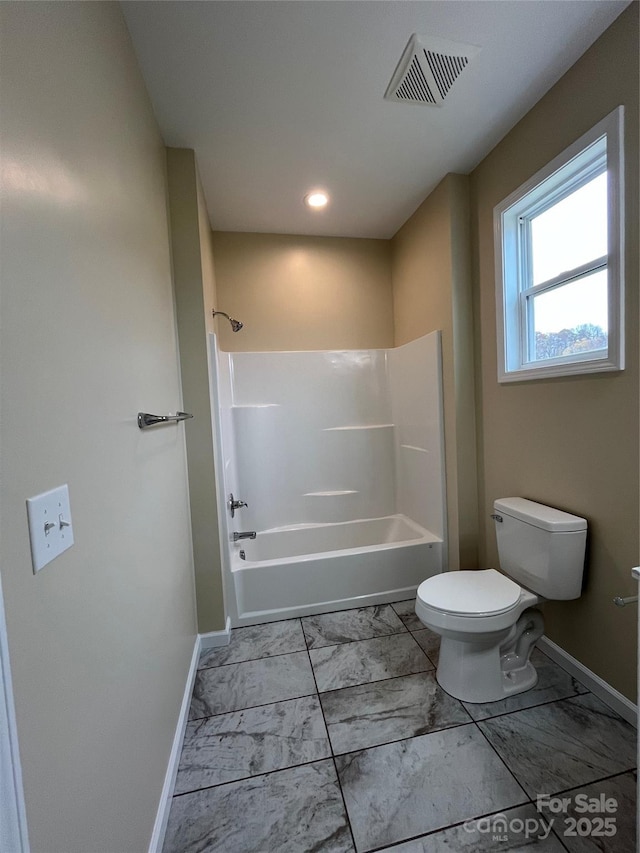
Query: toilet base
point(478, 676)
point(519, 680)
point(489, 667)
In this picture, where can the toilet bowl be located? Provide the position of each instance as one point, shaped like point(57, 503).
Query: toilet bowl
point(487, 620)
point(487, 630)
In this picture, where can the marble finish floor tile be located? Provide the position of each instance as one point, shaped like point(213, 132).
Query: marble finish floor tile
point(563, 745)
point(290, 811)
point(429, 642)
point(383, 711)
point(406, 610)
point(622, 789)
point(257, 641)
point(367, 660)
point(328, 629)
point(244, 685)
point(411, 787)
point(246, 743)
point(520, 830)
point(553, 683)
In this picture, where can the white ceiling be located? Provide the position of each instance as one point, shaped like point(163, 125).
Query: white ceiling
point(279, 97)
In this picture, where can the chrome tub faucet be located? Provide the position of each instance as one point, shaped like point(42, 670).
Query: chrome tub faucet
point(247, 534)
point(234, 505)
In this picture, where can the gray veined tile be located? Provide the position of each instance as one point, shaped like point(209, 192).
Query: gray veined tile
point(429, 642)
point(363, 623)
point(246, 743)
point(411, 787)
point(553, 683)
point(406, 610)
point(291, 811)
point(621, 791)
point(367, 660)
point(256, 641)
point(519, 830)
point(564, 744)
point(382, 711)
point(257, 682)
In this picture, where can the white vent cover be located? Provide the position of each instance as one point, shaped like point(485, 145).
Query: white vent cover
point(428, 69)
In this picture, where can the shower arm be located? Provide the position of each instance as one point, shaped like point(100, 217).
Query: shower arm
point(236, 325)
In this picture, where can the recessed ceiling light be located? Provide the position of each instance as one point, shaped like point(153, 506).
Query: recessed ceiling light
point(316, 199)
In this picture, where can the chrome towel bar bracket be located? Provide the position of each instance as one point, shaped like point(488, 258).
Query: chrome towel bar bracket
point(622, 602)
point(145, 420)
point(631, 599)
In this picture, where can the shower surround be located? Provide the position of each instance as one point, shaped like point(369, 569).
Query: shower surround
point(340, 458)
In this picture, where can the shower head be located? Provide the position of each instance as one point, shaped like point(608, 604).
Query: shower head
point(236, 325)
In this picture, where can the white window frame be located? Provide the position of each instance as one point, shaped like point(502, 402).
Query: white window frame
point(599, 149)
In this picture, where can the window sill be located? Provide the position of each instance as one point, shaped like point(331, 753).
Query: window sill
point(555, 371)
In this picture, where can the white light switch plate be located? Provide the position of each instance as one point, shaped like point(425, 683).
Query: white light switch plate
point(50, 526)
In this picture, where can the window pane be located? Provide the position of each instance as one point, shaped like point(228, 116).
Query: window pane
point(571, 319)
point(572, 232)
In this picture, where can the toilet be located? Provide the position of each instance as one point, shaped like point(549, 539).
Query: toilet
point(487, 619)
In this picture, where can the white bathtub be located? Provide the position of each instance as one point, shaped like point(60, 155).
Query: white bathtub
point(317, 568)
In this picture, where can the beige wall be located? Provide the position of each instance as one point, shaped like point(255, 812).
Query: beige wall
point(432, 290)
point(209, 287)
point(464, 371)
point(101, 639)
point(303, 293)
point(194, 282)
point(572, 442)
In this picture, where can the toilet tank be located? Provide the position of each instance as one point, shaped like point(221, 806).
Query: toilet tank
point(540, 547)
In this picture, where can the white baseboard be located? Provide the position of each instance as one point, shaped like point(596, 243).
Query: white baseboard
point(598, 686)
point(216, 639)
point(164, 807)
point(212, 640)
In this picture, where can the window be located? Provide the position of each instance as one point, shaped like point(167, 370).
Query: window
point(559, 263)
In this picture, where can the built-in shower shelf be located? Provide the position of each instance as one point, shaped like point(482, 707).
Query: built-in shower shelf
point(256, 406)
point(358, 426)
point(412, 447)
point(330, 494)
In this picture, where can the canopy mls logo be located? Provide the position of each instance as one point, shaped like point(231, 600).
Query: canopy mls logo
point(503, 829)
point(577, 816)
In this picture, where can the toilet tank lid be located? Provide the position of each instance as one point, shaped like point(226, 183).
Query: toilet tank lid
point(540, 515)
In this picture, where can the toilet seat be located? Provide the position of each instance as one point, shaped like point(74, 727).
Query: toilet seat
point(470, 594)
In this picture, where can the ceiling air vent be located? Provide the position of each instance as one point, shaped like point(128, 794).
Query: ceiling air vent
point(428, 69)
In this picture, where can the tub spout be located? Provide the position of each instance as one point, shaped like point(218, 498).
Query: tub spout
point(247, 534)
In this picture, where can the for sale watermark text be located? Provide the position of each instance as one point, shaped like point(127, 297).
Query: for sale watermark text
point(570, 816)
